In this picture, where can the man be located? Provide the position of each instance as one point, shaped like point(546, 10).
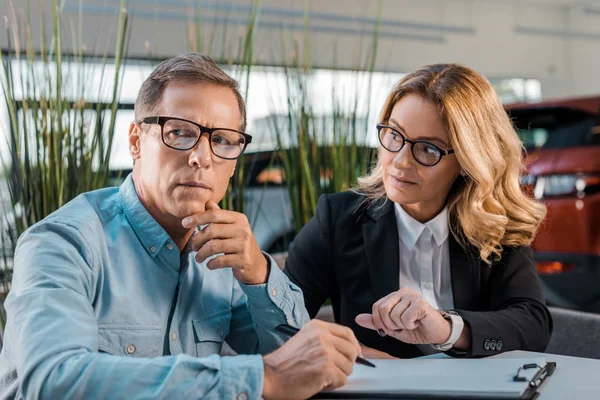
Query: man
point(130, 292)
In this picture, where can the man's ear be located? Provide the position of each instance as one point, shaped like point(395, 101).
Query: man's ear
point(134, 140)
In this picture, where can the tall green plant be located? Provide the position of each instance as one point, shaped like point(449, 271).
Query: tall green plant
point(322, 153)
point(61, 127)
point(244, 61)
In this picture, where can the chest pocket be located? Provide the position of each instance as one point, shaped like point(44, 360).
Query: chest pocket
point(130, 341)
point(210, 332)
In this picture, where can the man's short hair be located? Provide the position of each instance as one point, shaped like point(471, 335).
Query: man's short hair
point(187, 68)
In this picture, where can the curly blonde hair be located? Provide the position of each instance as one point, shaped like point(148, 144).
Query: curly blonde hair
point(487, 208)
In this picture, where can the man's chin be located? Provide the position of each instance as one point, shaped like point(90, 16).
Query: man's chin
point(186, 208)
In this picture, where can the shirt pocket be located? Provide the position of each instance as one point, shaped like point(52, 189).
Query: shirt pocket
point(210, 331)
point(130, 341)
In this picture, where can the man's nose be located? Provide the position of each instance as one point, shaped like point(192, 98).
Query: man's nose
point(201, 154)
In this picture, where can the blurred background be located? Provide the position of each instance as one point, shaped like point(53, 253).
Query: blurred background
point(314, 74)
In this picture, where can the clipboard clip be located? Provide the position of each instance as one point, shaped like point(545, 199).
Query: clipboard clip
point(539, 377)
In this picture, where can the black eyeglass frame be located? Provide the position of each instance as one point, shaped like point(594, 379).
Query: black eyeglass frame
point(412, 143)
point(161, 121)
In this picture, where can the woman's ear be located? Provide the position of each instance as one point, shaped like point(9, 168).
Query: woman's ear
point(134, 140)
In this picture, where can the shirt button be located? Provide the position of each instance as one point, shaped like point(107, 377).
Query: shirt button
point(152, 249)
point(291, 322)
point(170, 246)
point(173, 336)
point(274, 292)
point(130, 349)
point(242, 396)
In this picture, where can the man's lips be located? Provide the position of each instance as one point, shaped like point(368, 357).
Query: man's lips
point(199, 185)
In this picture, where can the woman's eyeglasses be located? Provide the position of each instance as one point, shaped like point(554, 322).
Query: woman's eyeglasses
point(425, 153)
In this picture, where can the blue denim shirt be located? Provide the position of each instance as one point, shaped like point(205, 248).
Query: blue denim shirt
point(100, 293)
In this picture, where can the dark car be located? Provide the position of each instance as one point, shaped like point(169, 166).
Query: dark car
point(562, 141)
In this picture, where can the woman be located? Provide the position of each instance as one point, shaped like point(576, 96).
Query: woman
point(431, 251)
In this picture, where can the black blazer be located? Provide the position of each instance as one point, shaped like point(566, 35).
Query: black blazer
point(350, 253)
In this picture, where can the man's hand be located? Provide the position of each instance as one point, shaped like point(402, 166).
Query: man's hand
point(319, 357)
point(228, 233)
point(408, 317)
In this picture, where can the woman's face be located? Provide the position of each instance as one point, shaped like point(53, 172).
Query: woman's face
point(421, 190)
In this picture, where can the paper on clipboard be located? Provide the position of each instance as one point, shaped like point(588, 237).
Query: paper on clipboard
point(488, 377)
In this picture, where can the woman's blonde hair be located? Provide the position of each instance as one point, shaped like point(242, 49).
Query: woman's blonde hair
point(487, 208)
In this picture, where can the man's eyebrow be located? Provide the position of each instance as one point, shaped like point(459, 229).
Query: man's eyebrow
point(396, 124)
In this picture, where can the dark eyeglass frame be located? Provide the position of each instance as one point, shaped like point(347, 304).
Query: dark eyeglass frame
point(412, 143)
point(161, 121)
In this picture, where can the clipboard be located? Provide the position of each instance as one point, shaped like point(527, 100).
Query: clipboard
point(446, 379)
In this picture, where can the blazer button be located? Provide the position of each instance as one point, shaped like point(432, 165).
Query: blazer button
point(499, 345)
point(493, 345)
point(486, 344)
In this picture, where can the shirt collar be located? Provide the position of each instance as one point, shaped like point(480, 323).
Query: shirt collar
point(149, 232)
point(409, 229)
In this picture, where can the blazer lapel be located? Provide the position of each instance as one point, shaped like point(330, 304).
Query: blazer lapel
point(380, 234)
point(465, 271)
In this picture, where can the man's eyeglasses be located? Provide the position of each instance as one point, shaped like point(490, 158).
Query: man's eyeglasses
point(181, 134)
point(425, 153)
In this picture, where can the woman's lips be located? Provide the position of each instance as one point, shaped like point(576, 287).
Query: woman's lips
point(402, 182)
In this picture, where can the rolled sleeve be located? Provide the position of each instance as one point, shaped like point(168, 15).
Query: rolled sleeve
point(278, 293)
point(242, 377)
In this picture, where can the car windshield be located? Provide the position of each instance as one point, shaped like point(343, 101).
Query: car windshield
point(572, 134)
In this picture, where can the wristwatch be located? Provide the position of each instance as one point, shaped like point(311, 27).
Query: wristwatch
point(456, 323)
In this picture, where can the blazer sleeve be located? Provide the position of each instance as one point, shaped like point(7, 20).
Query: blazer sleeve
point(310, 263)
point(518, 318)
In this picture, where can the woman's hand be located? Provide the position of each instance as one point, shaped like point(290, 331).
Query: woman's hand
point(369, 352)
point(408, 317)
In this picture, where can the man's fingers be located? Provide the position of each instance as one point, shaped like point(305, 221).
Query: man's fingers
point(213, 231)
point(342, 362)
point(348, 350)
point(212, 216)
point(217, 246)
point(211, 205)
point(337, 377)
point(345, 333)
point(224, 261)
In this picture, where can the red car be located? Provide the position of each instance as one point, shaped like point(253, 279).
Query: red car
point(562, 141)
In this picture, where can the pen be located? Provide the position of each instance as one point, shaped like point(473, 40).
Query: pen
point(291, 330)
